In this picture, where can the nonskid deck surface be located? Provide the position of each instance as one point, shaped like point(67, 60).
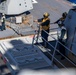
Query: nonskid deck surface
point(54, 7)
point(14, 29)
point(24, 54)
point(23, 28)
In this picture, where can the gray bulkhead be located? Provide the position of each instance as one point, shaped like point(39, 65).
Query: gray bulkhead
point(70, 24)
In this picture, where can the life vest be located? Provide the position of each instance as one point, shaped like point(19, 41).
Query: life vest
point(60, 22)
point(3, 19)
point(45, 27)
point(64, 35)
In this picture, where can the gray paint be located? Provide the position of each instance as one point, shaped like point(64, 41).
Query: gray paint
point(70, 24)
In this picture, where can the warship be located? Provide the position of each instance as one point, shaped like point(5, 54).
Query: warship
point(18, 48)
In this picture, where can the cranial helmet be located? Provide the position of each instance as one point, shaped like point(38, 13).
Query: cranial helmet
point(64, 14)
point(46, 14)
point(3, 14)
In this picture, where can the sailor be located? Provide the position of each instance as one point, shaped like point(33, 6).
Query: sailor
point(62, 19)
point(3, 22)
point(62, 34)
point(62, 37)
point(45, 25)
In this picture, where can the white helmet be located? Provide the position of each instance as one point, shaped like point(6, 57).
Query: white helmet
point(3, 14)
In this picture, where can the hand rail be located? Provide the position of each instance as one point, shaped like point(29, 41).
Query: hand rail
point(56, 49)
point(65, 48)
point(60, 43)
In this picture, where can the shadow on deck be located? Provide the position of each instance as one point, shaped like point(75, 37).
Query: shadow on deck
point(57, 58)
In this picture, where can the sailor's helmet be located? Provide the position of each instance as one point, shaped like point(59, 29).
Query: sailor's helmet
point(3, 14)
point(46, 14)
point(64, 14)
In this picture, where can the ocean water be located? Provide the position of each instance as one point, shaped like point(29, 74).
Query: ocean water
point(73, 1)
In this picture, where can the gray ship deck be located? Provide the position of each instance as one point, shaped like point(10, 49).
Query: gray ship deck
point(54, 7)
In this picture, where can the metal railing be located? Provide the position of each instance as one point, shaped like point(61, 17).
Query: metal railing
point(55, 48)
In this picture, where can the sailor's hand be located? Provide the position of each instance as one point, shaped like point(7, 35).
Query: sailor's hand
point(39, 23)
point(35, 21)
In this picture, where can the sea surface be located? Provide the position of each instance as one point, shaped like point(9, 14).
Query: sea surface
point(73, 1)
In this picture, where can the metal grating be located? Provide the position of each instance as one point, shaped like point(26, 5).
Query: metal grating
point(25, 55)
